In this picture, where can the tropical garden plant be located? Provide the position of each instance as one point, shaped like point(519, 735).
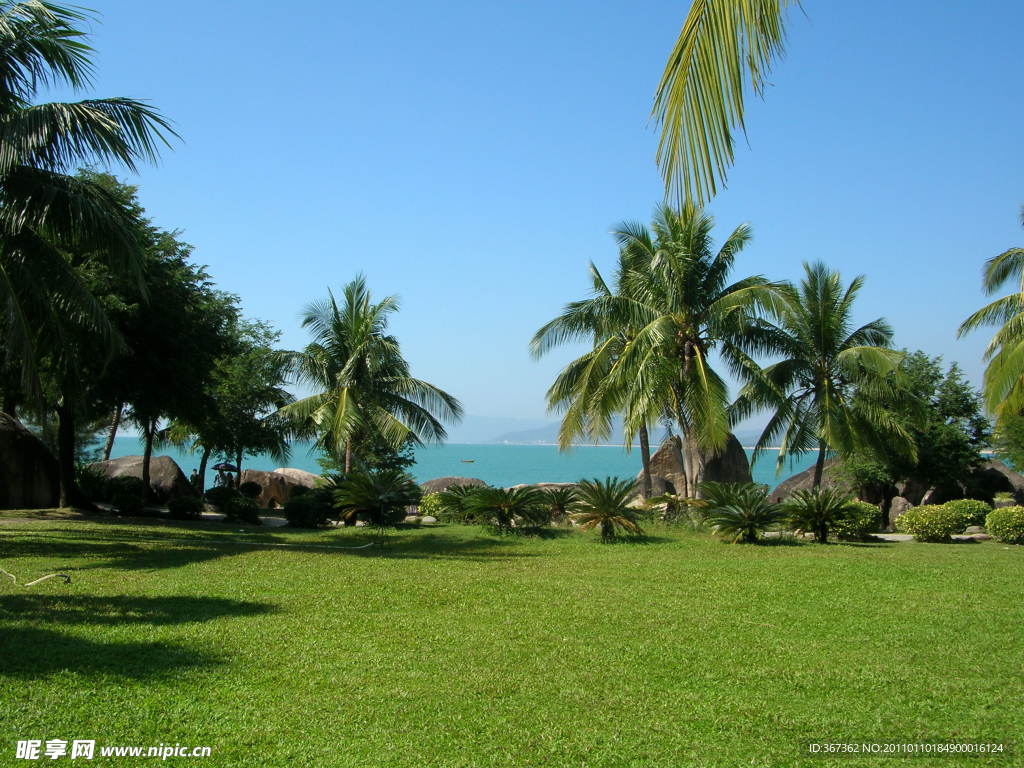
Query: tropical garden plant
point(741, 511)
point(825, 361)
point(818, 510)
point(973, 511)
point(605, 505)
point(363, 389)
point(862, 520)
point(505, 508)
point(560, 502)
point(452, 504)
point(1006, 525)
point(381, 496)
point(931, 523)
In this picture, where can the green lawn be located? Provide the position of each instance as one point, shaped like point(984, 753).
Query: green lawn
point(452, 647)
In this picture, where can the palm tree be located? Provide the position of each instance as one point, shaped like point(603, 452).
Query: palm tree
point(43, 210)
point(362, 382)
point(1004, 375)
point(382, 495)
point(724, 48)
point(740, 511)
point(604, 504)
point(818, 510)
point(684, 307)
point(837, 387)
point(504, 505)
point(584, 391)
point(452, 503)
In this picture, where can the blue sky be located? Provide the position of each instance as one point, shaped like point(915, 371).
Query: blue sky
point(472, 156)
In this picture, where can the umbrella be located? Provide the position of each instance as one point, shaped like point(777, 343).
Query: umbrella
point(225, 467)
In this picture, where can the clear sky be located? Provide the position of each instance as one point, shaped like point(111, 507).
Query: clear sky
point(472, 156)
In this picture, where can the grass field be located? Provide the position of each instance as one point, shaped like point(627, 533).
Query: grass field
point(453, 647)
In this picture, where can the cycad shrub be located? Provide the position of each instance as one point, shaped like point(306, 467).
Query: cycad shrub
point(972, 510)
point(817, 510)
point(740, 511)
point(453, 504)
point(604, 505)
point(862, 519)
point(1006, 525)
point(930, 522)
point(312, 508)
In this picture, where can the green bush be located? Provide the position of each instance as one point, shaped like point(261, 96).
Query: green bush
point(126, 493)
point(862, 519)
point(1006, 525)
point(221, 496)
point(250, 490)
point(185, 508)
point(431, 505)
point(92, 482)
point(1003, 496)
point(312, 508)
point(930, 522)
point(241, 508)
point(972, 510)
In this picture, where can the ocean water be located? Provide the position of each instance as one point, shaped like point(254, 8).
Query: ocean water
point(499, 465)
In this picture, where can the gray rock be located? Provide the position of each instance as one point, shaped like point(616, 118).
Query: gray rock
point(666, 466)
point(428, 520)
point(298, 477)
point(934, 496)
point(994, 476)
point(274, 487)
point(28, 471)
point(897, 507)
point(972, 529)
point(439, 484)
point(411, 519)
point(804, 481)
point(166, 479)
point(980, 537)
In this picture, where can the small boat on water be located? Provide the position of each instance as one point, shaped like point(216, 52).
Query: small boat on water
point(468, 461)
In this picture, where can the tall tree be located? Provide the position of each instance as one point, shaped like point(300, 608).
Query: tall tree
point(825, 361)
point(1004, 375)
point(44, 211)
point(362, 384)
point(684, 307)
point(725, 50)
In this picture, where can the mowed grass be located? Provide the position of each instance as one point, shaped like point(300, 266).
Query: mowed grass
point(453, 647)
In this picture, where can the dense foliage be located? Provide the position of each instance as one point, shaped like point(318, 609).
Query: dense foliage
point(604, 504)
point(973, 511)
point(741, 511)
point(1006, 525)
point(931, 522)
point(862, 519)
point(818, 510)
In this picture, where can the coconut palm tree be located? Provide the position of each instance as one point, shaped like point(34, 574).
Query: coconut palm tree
point(1004, 375)
point(604, 504)
point(837, 387)
point(361, 381)
point(43, 210)
point(585, 391)
point(725, 49)
point(684, 307)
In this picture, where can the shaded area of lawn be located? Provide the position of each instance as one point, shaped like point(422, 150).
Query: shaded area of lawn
point(452, 647)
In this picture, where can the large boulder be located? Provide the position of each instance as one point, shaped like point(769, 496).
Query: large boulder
point(439, 484)
point(897, 506)
point(994, 476)
point(730, 466)
point(298, 477)
point(543, 486)
point(166, 479)
point(274, 488)
point(28, 471)
point(804, 481)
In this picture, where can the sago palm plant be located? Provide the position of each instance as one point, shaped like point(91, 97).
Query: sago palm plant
point(740, 511)
point(382, 496)
point(604, 504)
point(818, 510)
point(503, 506)
point(560, 501)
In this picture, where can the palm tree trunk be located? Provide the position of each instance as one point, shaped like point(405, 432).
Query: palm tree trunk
point(238, 464)
point(693, 465)
point(202, 470)
point(66, 453)
point(348, 456)
point(115, 422)
point(645, 458)
point(819, 466)
point(149, 430)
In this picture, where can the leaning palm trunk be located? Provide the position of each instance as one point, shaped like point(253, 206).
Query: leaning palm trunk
point(645, 458)
point(115, 423)
point(819, 465)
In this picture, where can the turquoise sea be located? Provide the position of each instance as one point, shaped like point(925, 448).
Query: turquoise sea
point(495, 464)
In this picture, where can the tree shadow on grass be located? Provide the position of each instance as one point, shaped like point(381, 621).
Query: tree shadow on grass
point(86, 609)
point(439, 546)
point(31, 652)
point(41, 648)
point(119, 554)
